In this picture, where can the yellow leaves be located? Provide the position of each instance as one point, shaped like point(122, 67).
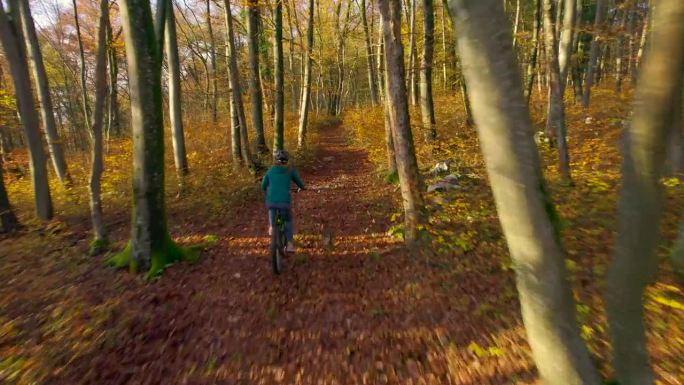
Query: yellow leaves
point(669, 302)
point(481, 352)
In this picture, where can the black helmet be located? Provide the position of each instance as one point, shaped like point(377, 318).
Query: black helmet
point(281, 156)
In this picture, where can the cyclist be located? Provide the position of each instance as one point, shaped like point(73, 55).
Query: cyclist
point(276, 183)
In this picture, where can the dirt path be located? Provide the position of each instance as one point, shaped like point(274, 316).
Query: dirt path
point(359, 311)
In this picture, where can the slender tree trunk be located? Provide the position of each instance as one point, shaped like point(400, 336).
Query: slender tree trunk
point(236, 89)
point(595, 51)
point(8, 221)
point(532, 64)
point(397, 104)
point(84, 85)
point(566, 40)
point(253, 16)
point(212, 61)
point(279, 121)
point(113, 121)
point(175, 113)
point(445, 78)
point(427, 110)
point(13, 47)
point(517, 21)
point(620, 45)
point(369, 55)
point(413, 94)
point(381, 62)
point(642, 48)
point(99, 232)
point(524, 208)
point(43, 91)
point(641, 198)
point(555, 121)
point(306, 93)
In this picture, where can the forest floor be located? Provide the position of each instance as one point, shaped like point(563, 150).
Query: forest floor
point(351, 307)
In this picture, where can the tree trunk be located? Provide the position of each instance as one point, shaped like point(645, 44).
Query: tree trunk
point(524, 208)
point(517, 21)
point(594, 51)
point(13, 47)
point(150, 246)
point(99, 232)
point(369, 56)
point(35, 56)
point(397, 104)
point(8, 221)
point(620, 45)
point(175, 113)
point(113, 121)
point(381, 62)
point(532, 64)
point(84, 85)
point(279, 120)
point(641, 198)
point(566, 40)
point(212, 61)
point(555, 120)
point(413, 94)
point(256, 97)
point(306, 92)
point(236, 89)
point(427, 110)
point(642, 48)
point(445, 52)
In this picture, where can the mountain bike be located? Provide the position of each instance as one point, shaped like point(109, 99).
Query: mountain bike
point(278, 241)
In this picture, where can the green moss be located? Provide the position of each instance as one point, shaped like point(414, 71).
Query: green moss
point(97, 246)
point(161, 258)
point(392, 178)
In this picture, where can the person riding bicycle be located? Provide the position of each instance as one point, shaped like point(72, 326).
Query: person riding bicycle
point(277, 183)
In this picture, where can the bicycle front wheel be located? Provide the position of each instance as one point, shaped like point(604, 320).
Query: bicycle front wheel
point(276, 251)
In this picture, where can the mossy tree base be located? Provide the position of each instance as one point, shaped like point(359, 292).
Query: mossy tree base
point(160, 258)
point(97, 246)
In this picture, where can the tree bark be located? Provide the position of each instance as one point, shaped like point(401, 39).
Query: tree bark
point(84, 85)
point(641, 198)
point(566, 40)
point(253, 16)
point(236, 89)
point(397, 104)
point(8, 221)
point(555, 120)
point(525, 211)
point(99, 232)
point(594, 51)
point(279, 119)
point(175, 114)
point(642, 47)
point(369, 56)
point(306, 92)
point(532, 64)
point(35, 56)
point(13, 46)
point(620, 45)
point(113, 120)
point(427, 109)
point(412, 83)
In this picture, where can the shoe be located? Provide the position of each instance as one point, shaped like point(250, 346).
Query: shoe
point(290, 247)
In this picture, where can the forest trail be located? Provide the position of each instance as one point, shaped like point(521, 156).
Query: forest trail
point(360, 311)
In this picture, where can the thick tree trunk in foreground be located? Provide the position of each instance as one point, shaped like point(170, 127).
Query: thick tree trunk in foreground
point(99, 232)
point(427, 109)
point(641, 198)
point(306, 92)
point(397, 104)
point(594, 51)
point(35, 56)
point(254, 76)
point(369, 56)
point(13, 47)
point(555, 120)
point(175, 114)
point(524, 209)
point(150, 247)
point(236, 89)
point(8, 221)
point(279, 119)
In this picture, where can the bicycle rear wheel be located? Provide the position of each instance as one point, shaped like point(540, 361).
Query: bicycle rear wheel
point(277, 246)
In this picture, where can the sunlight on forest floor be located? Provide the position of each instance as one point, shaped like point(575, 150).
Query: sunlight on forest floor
point(355, 309)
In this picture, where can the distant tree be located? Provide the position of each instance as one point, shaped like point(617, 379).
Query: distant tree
point(256, 97)
point(279, 119)
point(372, 85)
point(595, 51)
point(8, 221)
point(13, 46)
point(306, 91)
point(427, 109)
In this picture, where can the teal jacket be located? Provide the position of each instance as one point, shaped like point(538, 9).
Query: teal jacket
point(276, 183)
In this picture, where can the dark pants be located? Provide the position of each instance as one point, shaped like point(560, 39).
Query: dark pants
point(286, 215)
